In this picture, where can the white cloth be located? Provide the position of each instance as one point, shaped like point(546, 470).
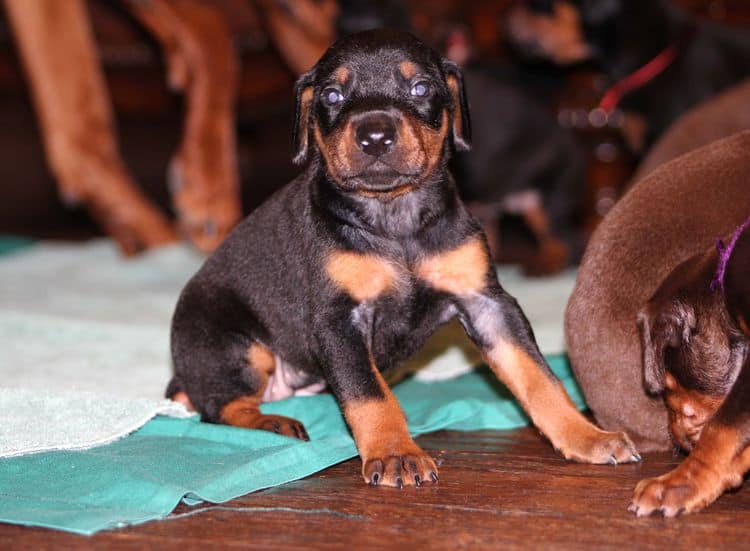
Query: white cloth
point(84, 340)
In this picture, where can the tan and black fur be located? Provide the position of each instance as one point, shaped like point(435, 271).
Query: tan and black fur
point(345, 272)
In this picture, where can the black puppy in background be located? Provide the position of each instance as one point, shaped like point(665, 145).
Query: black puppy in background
point(346, 271)
point(694, 58)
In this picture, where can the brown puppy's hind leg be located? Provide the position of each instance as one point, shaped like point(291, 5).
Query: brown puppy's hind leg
point(57, 47)
point(203, 63)
point(245, 411)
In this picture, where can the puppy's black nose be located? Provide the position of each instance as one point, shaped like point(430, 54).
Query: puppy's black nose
point(376, 135)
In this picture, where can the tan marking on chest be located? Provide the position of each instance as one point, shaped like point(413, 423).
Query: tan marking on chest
point(362, 276)
point(459, 271)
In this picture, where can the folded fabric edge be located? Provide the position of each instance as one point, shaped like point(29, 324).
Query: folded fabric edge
point(164, 407)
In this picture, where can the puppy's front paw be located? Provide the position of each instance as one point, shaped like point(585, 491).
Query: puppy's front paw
point(411, 467)
point(688, 488)
point(597, 446)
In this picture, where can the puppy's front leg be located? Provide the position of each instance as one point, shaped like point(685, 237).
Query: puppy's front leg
point(494, 321)
point(389, 455)
point(718, 462)
point(498, 327)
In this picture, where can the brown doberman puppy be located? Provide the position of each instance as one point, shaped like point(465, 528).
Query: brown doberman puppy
point(345, 272)
point(695, 337)
point(675, 212)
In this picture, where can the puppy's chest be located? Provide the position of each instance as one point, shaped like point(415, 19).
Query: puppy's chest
point(396, 322)
point(399, 302)
point(404, 279)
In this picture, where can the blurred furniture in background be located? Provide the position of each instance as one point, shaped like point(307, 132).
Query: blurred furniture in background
point(150, 116)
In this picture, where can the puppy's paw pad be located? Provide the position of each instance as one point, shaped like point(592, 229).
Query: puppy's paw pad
point(399, 470)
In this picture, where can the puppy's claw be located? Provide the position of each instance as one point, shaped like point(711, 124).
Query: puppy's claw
point(397, 471)
point(434, 476)
point(636, 458)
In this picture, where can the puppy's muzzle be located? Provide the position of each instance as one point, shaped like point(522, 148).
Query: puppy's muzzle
point(375, 134)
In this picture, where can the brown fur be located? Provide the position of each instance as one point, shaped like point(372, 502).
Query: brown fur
point(715, 466)
point(552, 411)
point(362, 276)
point(408, 69)
point(59, 54)
point(460, 271)
point(342, 74)
point(675, 212)
point(721, 116)
point(689, 411)
point(419, 147)
point(245, 410)
point(379, 429)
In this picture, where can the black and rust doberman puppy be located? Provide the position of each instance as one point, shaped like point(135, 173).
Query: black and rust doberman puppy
point(694, 333)
point(347, 270)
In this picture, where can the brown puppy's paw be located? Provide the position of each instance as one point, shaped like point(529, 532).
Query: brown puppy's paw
point(412, 468)
point(601, 447)
point(687, 489)
point(280, 425)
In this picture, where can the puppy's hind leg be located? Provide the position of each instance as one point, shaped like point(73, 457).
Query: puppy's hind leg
point(244, 411)
point(222, 376)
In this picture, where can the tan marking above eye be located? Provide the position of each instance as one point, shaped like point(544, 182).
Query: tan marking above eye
point(459, 271)
point(408, 69)
point(362, 276)
point(342, 74)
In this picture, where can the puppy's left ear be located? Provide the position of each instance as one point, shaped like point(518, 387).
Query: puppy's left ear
point(303, 92)
point(667, 329)
point(461, 126)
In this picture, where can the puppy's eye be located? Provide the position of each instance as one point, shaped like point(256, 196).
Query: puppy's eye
point(331, 96)
point(420, 89)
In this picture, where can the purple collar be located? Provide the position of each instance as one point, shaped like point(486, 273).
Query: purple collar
point(725, 251)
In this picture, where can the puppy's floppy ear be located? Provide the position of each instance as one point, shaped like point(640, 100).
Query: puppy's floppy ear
point(666, 329)
point(303, 92)
point(461, 125)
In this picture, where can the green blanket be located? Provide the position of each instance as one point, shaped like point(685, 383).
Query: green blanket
point(144, 476)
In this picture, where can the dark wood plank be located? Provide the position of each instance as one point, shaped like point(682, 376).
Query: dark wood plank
point(504, 489)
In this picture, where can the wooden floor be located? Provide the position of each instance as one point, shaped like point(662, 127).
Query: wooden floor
point(497, 490)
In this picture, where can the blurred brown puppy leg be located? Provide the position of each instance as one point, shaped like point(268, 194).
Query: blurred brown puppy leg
point(302, 30)
point(203, 63)
point(70, 96)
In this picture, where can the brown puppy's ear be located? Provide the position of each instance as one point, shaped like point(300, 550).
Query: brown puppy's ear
point(461, 127)
point(667, 329)
point(303, 91)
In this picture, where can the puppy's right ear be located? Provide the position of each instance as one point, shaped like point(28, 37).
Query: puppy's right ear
point(667, 329)
point(461, 126)
point(303, 92)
